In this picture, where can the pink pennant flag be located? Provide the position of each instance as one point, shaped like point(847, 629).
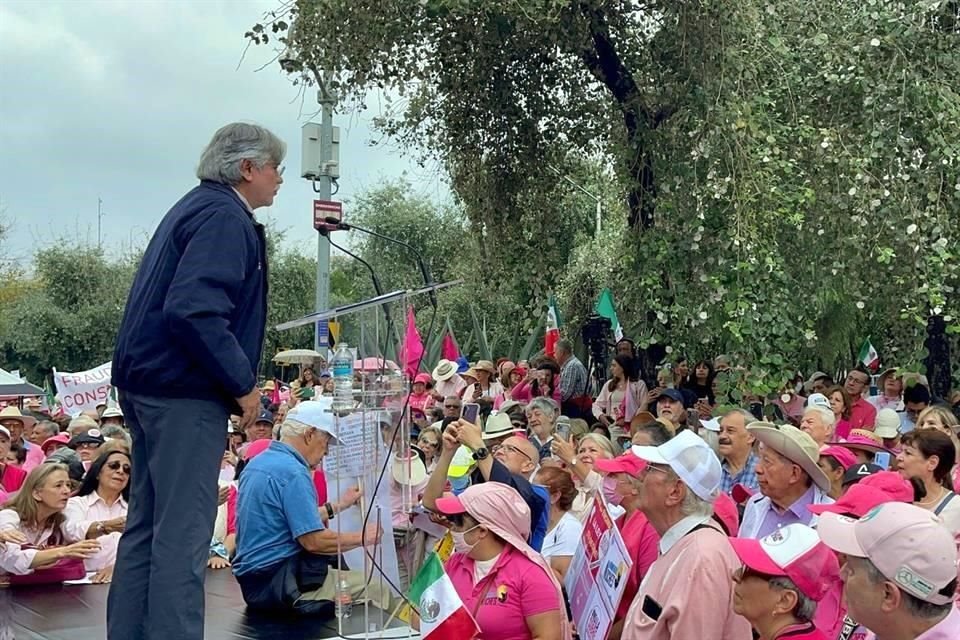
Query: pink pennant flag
point(449, 350)
point(412, 350)
point(275, 396)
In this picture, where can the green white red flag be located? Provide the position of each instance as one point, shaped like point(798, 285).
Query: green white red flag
point(869, 356)
point(553, 328)
point(442, 614)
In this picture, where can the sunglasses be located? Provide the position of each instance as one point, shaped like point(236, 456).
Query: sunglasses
point(116, 464)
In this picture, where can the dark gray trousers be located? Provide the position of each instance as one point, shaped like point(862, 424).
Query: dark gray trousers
point(157, 588)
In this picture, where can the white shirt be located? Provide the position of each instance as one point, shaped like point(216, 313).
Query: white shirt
point(673, 535)
point(564, 538)
point(16, 560)
point(85, 510)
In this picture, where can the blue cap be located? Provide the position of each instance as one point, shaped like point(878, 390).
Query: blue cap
point(673, 394)
point(462, 364)
point(265, 416)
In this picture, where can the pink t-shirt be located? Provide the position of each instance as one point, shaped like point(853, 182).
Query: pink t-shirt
point(641, 540)
point(863, 415)
point(515, 589)
point(523, 392)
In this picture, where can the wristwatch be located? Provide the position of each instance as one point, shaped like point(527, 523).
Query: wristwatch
point(329, 508)
point(480, 454)
point(101, 530)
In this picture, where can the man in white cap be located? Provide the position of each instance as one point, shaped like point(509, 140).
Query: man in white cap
point(447, 382)
point(687, 592)
point(789, 480)
point(818, 420)
point(286, 558)
point(900, 572)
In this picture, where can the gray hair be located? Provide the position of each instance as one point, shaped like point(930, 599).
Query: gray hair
point(694, 505)
point(805, 608)
point(116, 432)
point(915, 606)
point(743, 413)
point(829, 420)
point(52, 428)
point(294, 429)
point(564, 345)
point(546, 405)
point(657, 432)
point(233, 143)
point(712, 438)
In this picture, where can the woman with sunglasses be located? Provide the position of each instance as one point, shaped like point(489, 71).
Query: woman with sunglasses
point(101, 503)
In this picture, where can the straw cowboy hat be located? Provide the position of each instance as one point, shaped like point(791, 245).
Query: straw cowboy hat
point(444, 370)
point(12, 413)
point(794, 445)
point(485, 365)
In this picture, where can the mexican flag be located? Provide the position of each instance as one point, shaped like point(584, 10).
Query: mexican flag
point(553, 328)
point(442, 614)
point(869, 356)
point(605, 309)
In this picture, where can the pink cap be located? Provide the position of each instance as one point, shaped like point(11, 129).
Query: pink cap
point(725, 510)
point(627, 463)
point(861, 439)
point(450, 505)
point(858, 501)
point(423, 377)
point(892, 483)
point(60, 438)
point(844, 456)
point(796, 552)
point(908, 544)
point(256, 447)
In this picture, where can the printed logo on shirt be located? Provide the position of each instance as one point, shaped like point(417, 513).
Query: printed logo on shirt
point(496, 595)
point(502, 593)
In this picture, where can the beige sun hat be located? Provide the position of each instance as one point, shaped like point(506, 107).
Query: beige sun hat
point(793, 444)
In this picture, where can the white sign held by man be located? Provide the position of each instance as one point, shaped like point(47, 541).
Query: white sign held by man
point(84, 390)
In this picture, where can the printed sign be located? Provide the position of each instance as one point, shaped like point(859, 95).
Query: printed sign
point(83, 391)
point(598, 574)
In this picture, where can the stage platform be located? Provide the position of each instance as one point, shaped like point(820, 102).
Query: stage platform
point(75, 612)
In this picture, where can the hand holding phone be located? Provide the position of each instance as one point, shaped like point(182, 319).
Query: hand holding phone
point(470, 412)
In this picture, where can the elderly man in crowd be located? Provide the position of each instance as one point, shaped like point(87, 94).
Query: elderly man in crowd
point(862, 413)
point(286, 558)
point(687, 592)
point(789, 479)
point(186, 357)
point(542, 415)
point(738, 459)
point(900, 572)
point(19, 426)
point(818, 422)
point(447, 382)
point(512, 463)
point(670, 407)
point(574, 383)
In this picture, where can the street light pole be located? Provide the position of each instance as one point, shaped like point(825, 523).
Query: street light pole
point(566, 178)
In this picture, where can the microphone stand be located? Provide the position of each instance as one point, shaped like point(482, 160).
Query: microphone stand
point(377, 287)
point(424, 272)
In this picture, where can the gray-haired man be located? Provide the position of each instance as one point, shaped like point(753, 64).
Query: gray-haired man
point(186, 358)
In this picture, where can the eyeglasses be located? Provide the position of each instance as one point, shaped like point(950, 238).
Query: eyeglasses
point(852, 378)
point(509, 448)
point(116, 464)
point(745, 572)
point(652, 467)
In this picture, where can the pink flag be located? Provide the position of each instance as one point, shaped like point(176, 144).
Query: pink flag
point(275, 396)
point(449, 350)
point(412, 350)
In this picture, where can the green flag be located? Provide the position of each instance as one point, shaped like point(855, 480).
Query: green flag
point(605, 309)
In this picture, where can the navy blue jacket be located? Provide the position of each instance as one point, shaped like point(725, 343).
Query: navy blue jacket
point(195, 319)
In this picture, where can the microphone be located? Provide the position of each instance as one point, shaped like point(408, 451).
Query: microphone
point(424, 272)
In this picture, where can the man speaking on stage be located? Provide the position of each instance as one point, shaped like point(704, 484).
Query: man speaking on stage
point(186, 358)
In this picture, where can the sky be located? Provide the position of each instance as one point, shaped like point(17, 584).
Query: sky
point(115, 99)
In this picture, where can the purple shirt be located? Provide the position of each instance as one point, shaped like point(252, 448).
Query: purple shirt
point(796, 514)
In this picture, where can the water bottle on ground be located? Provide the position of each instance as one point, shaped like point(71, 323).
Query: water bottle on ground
point(344, 600)
point(342, 366)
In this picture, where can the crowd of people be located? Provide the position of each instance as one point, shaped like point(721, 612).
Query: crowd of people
point(824, 512)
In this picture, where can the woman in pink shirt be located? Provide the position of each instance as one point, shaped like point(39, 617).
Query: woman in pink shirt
point(101, 502)
point(420, 398)
point(507, 586)
point(841, 404)
point(542, 381)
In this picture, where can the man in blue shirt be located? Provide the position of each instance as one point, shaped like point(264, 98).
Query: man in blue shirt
point(286, 558)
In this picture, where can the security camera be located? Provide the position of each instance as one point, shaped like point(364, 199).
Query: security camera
point(289, 61)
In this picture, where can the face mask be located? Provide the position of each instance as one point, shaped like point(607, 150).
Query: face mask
point(460, 545)
point(610, 491)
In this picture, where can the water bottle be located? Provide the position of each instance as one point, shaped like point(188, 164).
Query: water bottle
point(342, 366)
point(344, 601)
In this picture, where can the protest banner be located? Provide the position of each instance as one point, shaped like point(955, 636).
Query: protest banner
point(598, 574)
point(83, 391)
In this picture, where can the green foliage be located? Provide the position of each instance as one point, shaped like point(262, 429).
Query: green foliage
point(793, 167)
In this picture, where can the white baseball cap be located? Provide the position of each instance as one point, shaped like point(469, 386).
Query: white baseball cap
point(690, 458)
point(317, 414)
point(908, 544)
point(818, 400)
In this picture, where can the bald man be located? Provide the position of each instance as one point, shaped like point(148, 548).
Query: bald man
point(512, 463)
